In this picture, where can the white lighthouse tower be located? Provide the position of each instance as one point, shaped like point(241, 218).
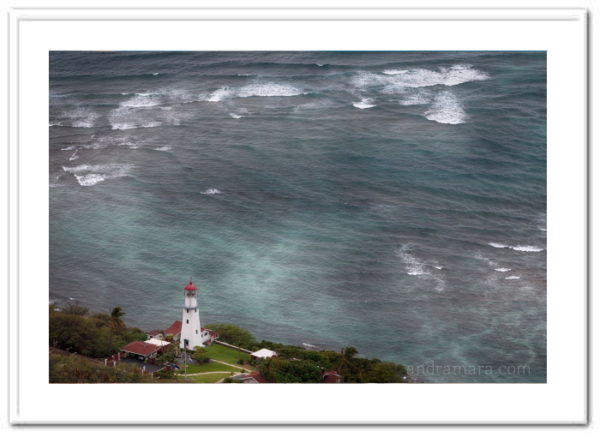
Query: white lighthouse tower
point(191, 330)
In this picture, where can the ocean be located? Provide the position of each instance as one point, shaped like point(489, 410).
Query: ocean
point(392, 201)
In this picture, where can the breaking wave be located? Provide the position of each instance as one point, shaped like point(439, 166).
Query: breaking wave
point(397, 81)
point(421, 97)
point(89, 175)
point(81, 117)
point(527, 248)
point(254, 90)
point(142, 100)
point(364, 104)
point(446, 109)
point(416, 267)
point(520, 248)
point(211, 192)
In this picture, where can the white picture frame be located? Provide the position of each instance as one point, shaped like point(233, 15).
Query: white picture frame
point(35, 31)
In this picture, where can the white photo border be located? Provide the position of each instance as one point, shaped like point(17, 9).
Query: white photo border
point(562, 33)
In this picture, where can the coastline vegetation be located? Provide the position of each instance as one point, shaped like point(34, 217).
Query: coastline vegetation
point(79, 342)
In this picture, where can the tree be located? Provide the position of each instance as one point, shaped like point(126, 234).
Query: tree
point(75, 309)
point(116, 323)
point(200, 354)
point(78, 334)
point(233, 334)
point(284, 371)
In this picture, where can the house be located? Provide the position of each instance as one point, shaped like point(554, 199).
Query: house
point(155, 333)
point(263, 353)
point(141, 350)
point(174, 330)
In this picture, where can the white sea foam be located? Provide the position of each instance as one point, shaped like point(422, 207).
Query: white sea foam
point(81, 117)
point(513, 277)
point(142, 100)
point(503, 269)
point(414, 266)
point(163, 148)
point(236, 116)
point(132, 125)
point(520, 248)
point(446, 109)
point(364, 104)
point(419, 98)
point(397, 81)
point(394, 72)
point(221, 94)
point(90, 179)
point(211, 192)
point(527, 248)
point(254, 90)
point(421, 77)
point(68, 148)
point(74, 156)
point(123, 126)
point(155, 74)
point(88, 175)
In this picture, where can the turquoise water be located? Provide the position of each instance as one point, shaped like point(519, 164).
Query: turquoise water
point(391, 201)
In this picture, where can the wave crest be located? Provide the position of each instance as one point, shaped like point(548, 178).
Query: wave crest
point(365, 103)
point(255, 90)
point(446, 109)
point(88, 175)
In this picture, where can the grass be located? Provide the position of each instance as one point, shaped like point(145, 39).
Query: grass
point(223, 353)
point(210, 378)
point(209, 367)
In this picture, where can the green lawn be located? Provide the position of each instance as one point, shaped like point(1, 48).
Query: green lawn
point(223, 353)
point(209, 367)
point(210, 378)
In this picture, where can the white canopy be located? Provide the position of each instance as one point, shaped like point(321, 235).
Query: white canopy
point(157, 342)
point(264, 353)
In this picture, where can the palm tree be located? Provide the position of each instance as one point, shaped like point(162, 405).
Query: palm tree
point(116, 323)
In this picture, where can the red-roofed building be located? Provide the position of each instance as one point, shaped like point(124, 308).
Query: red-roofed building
point(155, 333)
point(141, 349)
point(174, 330)
point(331, 377)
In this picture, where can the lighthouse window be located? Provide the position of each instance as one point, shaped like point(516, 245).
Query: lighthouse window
point(187, 311)
point(196, 331)
point(187, 321)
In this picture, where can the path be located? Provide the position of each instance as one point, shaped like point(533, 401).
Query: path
point(231, 365)
point(202, 373)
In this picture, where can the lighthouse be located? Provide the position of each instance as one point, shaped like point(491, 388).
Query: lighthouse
point(191, 330)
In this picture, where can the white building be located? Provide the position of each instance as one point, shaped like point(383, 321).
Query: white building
point(191, 331)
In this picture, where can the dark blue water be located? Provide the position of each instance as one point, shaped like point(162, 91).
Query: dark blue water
point(387, 200)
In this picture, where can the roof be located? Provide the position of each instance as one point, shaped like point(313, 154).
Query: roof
point(331, 377)
point(175, 328)
point(190, 287)
point(157, 342)
point(153, 332)
point(258, 377)
point(140, 348)
point(264, 353)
